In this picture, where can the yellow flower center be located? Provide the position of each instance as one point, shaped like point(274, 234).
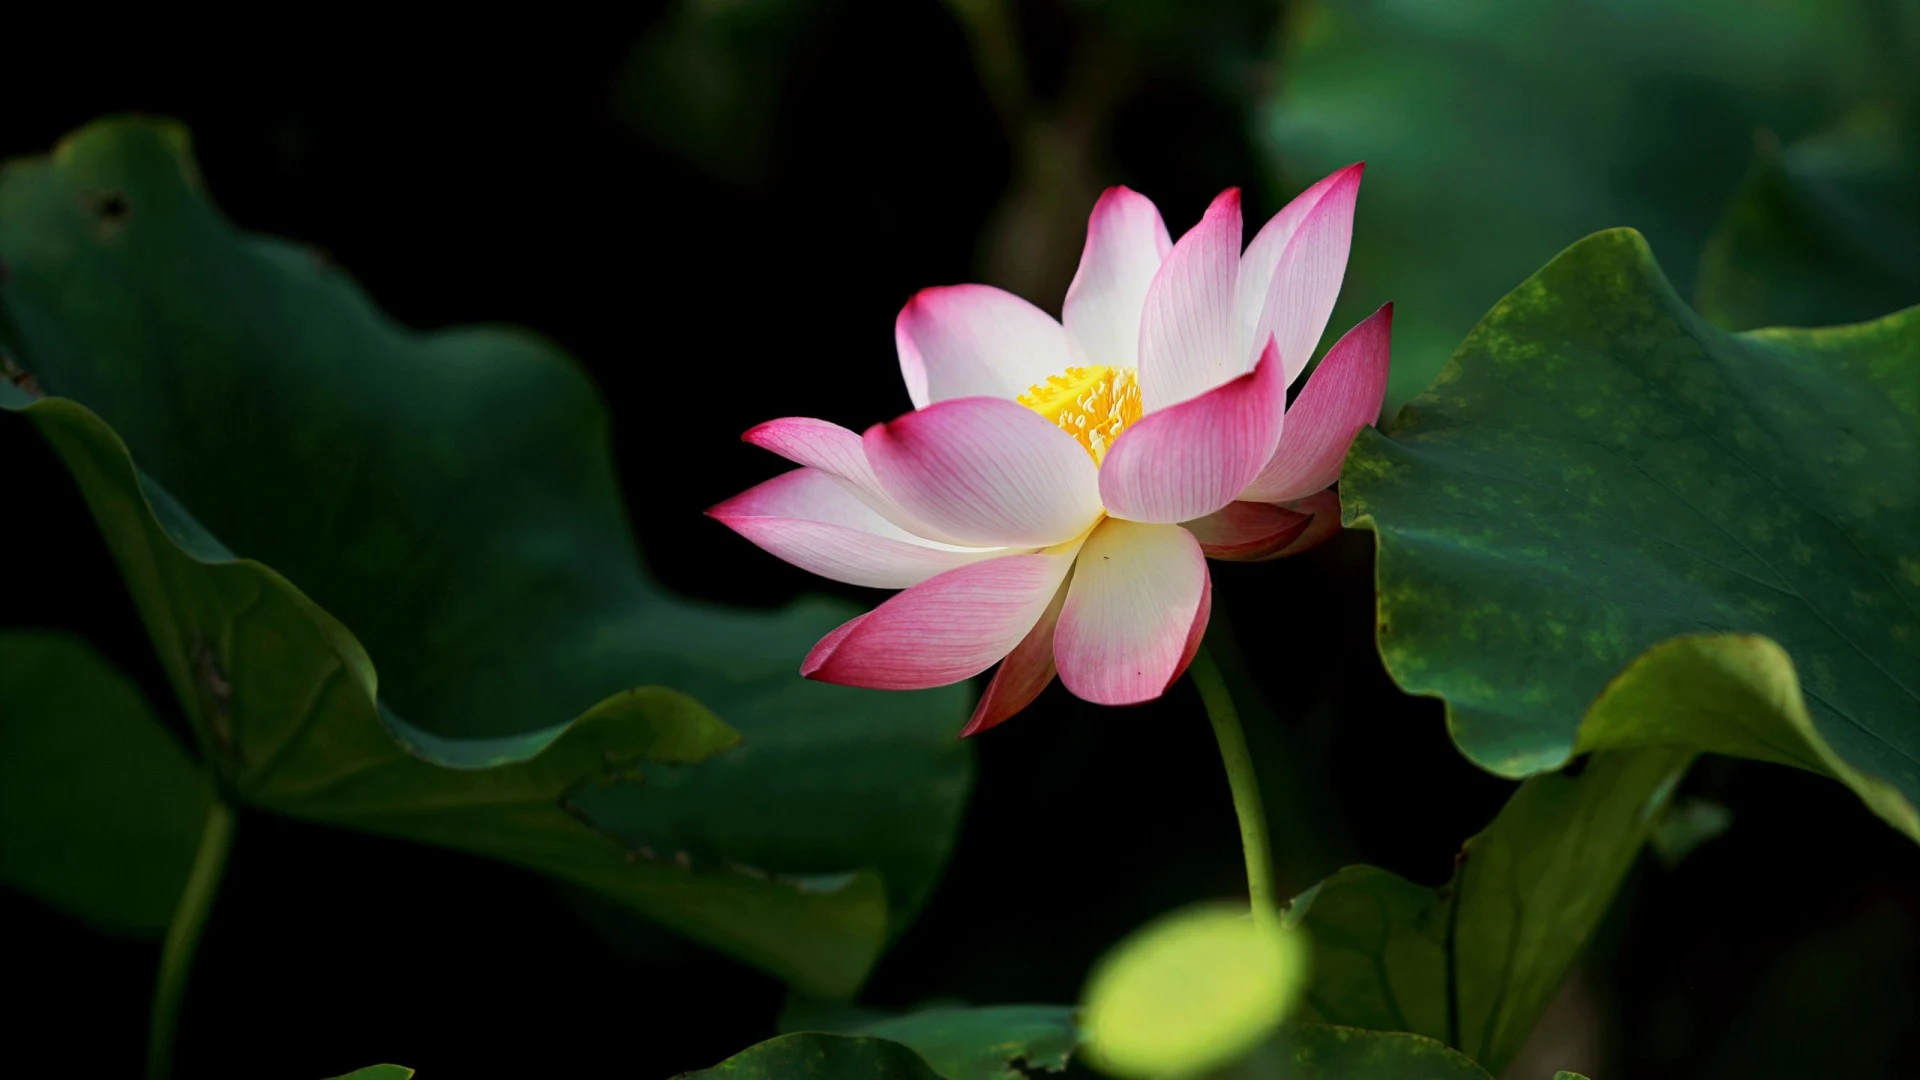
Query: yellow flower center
point(1094, 404)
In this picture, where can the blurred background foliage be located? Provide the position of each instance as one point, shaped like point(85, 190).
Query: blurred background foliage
point(1502, 130)
point(748, 190)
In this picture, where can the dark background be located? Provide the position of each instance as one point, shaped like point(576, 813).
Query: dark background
point(527, 171)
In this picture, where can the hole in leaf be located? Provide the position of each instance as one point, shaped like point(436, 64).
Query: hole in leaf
point(110, 210)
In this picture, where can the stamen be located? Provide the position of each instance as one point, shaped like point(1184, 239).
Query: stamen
point(1094, 404)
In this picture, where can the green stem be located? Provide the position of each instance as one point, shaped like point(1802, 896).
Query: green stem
point(183, 936)
point(1242, 779)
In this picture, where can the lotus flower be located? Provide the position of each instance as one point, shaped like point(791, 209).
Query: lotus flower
point(1051, 501)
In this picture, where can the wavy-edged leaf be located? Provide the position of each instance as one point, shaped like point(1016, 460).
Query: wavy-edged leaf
point(1611, 525)
point(812, 1055)
point(449, 498)
point(1332, 1052)
point(1008, 1042)
point(1475, 963)
point(959, 1042)
point(100, 807)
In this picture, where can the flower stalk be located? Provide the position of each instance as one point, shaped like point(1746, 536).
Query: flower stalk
point(1243, 780)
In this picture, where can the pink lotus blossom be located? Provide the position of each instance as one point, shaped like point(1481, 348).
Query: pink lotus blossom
point(1051, 501)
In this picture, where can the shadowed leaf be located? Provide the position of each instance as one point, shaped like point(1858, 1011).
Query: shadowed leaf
point(1475, 963)
point(959, 1042)
point(100, 808)
point(816, 1056)
point(1331, 1052)
point(321, 494)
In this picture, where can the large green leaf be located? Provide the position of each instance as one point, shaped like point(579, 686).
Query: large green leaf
point(1331, 1052)
point(100, 808)
point(812, 1055)
point(1476, 962)
point(449, 498)
point(1822, 232)
point(1497, 130)
point(959, 1042)
point(1010, 1042)
point(1610, 524)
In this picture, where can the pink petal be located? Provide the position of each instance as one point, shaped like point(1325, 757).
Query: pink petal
point(949, 627)
point(987, 472)
point(1323, 509)
point(1026, 671)
point(806, 441)
point(1306, 281)
point(1247, 531)
point(1196, 632)
point(960, 341)
point(812, 521)
point(839, 453)
point(1342, 396)
point(1262, 257)
point(1125, 242)
point(1189, 460)
point(827, 646)
point(1189, 342)
point(1136, 593)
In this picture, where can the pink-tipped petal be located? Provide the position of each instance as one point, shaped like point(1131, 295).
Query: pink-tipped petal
point(839, 453)
point(1342, 396)
point(987, 472)
point(1026, 671)
point(1262, 257)
point(1307, 279)
point(960, 341)
point(1136, 592)
point(1323, 520)
point(949, 627)
point(1189, 341)
point(824, 649)
point(806, 441)
point(1197, 631)
point(812, 521)
point(1193, 458)
point(1126, 240)
point(1247, 531)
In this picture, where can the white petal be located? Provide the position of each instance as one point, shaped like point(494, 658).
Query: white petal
point(811, 520)
point(1189, 342)
point(960, 341)
point(987, 472)
point(1126, 240)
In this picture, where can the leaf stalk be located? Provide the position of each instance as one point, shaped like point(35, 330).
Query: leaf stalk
point(183, 936)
